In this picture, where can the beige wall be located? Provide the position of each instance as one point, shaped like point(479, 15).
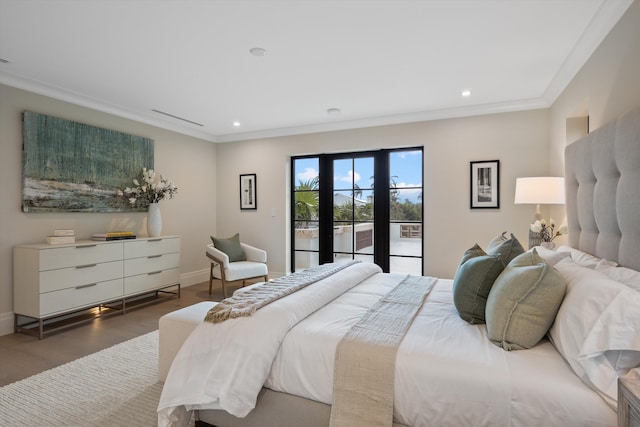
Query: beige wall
point(607, 86)
point(188, 161)
point(518, 140)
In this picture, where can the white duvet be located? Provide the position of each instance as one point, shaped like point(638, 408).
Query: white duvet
point(224, 365)
point(447, 371)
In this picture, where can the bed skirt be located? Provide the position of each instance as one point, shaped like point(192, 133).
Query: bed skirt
point(273, 409)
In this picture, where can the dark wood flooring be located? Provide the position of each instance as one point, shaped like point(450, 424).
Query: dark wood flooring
point(23, 355)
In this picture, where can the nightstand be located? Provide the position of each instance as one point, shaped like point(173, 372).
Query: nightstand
point(628, 403)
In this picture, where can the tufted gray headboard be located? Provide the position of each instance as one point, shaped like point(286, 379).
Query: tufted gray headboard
point(602, 181)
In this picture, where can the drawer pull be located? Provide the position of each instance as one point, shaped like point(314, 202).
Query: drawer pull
point(86, 265)
point(154, 256)
point(154, 240)
point(86, 246)
point(154, 272)
point(86, 286)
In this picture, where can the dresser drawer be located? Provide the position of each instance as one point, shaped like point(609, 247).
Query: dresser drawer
point(83, 254)
point(76, 298)
point(152, 246)
point(151, 281)
point(151, 263)
point(53, 280)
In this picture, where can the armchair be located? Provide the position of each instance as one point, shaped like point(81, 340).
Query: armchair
point(253, 268)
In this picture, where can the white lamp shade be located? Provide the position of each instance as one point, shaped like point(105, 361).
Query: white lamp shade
point(540, 190)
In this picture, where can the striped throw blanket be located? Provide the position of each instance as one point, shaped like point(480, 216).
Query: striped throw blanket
point(246, 303)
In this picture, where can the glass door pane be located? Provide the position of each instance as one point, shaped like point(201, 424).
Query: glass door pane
point(405, 212)
point(306, 211)
point(353, 208)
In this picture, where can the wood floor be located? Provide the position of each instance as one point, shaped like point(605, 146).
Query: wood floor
point(22, 355)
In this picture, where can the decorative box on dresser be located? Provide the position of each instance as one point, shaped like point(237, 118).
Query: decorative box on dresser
point(628, 402)
point(51, 281)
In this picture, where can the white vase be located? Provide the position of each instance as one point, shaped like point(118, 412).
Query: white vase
point(154, 220)
point(548, 245)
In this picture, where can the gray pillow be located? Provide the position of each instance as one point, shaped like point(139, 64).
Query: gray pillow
point(473, 281)
point(523, 302)
point(507, 248)
point(230, 246)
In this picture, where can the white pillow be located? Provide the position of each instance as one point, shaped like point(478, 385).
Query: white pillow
point(596, 329)
point(624, 275)
point(584, 259)
point(550, 256)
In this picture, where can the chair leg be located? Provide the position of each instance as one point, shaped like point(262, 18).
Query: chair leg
point(224, 289)
point(210, 278)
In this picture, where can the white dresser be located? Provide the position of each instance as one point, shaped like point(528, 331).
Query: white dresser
point(54, 280)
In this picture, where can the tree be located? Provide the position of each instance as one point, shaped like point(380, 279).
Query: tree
point(306, 201)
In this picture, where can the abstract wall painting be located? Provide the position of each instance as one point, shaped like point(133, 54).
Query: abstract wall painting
point(74, 167)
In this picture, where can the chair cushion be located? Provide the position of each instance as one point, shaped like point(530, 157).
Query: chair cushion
point(245, 270)
point(230, 246)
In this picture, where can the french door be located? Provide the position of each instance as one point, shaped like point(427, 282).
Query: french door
point(365, 206)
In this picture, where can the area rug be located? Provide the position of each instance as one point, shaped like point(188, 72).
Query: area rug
point(117, 386)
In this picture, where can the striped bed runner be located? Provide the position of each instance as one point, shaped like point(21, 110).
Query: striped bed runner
point(365, 358)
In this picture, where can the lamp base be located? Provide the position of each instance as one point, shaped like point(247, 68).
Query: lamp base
point(534, 239)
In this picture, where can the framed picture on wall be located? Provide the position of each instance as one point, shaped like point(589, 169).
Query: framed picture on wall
point(248, 194)
point(485, 184)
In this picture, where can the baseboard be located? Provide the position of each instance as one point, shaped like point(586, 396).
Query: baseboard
point(6, 323)
point(194, 277)
point(275, 274)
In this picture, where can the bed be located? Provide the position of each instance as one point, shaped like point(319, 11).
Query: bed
point(276, 367)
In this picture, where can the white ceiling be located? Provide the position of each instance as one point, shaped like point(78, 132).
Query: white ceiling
point(380, 62)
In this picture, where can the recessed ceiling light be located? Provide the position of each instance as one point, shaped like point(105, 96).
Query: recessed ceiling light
point(334, 111)
point(257, 51)
point(236, 124)
point(466, 93)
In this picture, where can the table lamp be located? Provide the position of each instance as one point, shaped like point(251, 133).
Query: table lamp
point(546, 190)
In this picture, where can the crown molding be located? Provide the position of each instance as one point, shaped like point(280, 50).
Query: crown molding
point(75, 98)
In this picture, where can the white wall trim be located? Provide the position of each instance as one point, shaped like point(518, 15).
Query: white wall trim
point(6, 323)
point(153, 119)
point(194, 277)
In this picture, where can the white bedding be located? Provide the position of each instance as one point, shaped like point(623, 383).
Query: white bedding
point(224, 365)
point(447, 374)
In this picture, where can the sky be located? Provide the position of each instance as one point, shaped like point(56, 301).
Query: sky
point(406, 170)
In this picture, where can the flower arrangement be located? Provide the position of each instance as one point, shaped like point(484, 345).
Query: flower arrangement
point(151, 190)
point(547, 232)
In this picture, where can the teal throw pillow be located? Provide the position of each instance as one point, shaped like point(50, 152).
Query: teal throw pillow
point(506, 248)
point(473, 281)
point(523, 302)
point(230, 246)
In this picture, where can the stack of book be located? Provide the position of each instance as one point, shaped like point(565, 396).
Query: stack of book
point(114, 235)
point(61, 236)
